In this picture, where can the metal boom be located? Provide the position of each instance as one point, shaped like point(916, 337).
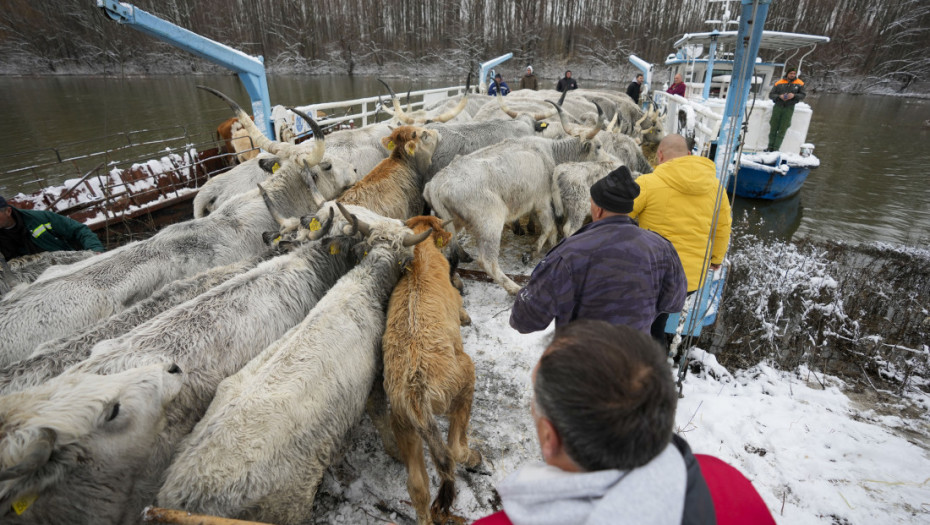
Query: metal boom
point(251, 70)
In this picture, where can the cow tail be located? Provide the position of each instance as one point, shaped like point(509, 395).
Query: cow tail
point(445, 465)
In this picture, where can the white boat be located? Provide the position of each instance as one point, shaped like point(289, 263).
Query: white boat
point(706, 62)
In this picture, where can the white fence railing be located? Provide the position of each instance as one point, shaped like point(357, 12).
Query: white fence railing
point(364, 110)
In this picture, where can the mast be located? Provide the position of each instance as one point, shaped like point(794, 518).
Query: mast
point(749, 36)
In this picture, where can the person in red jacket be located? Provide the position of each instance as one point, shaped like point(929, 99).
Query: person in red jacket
point(604, 407)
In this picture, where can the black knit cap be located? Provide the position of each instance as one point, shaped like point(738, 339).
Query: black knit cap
point(3, 203)
point(616, 191)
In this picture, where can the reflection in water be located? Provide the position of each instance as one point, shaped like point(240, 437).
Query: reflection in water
point(776, 220)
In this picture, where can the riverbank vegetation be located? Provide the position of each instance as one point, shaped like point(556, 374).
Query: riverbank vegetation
point(856, 311)
point(876, 46)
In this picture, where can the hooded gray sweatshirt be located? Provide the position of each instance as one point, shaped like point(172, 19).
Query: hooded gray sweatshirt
point(539, 494)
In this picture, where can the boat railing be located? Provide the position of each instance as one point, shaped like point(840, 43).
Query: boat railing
point(364, 111)
point(689, 118)
point(124, 182)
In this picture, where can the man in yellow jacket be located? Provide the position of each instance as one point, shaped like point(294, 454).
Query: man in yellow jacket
point(678, 201)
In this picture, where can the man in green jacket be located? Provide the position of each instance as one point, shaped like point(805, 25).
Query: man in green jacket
point(786, 93)
point(23, 232)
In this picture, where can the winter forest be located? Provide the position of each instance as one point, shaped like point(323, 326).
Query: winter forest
point(874, 44)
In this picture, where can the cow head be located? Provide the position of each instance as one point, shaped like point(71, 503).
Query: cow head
point(439, 236)
point(412, 144)
point(80, 421)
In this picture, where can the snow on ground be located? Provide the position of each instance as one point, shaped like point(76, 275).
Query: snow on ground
point(814, 454)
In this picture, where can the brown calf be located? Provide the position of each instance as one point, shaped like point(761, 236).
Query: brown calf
point(428, 373)
point(394, 188)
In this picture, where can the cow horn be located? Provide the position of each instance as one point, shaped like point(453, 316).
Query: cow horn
point(318, 198)
point(357, 224)
point(318, 137)
point(36, 456)
point(562, 98)
point(505, 109)
point(395, 102)
point(317, 235)
point(601, 124)
point(411, 239)
point(270, 205)
point(269, 237)
point(452, 113)
point(565, 125)
point(613, 121)
point(259, 139)
point(447, 223)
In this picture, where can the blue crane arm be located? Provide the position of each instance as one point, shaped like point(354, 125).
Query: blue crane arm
point(251, 70)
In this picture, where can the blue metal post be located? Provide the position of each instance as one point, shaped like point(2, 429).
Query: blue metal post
point(709, 74)
point(251, 70)
point(749, 36)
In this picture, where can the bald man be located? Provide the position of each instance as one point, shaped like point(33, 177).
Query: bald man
point(679, 201)
point(677, 87)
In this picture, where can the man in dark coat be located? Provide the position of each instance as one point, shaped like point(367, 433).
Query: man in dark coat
point(786, 93)
point(567, 83)
point(635, 87)
point(23, 232)
point(610, 269)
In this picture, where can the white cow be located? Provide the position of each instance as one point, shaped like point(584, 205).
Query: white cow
point(70, 448)
point(53, 357)
point(283, 417)
point(483, 191)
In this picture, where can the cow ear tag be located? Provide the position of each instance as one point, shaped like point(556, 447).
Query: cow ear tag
point(275, 167)
point(23, 503)
point(411, 148)
point(390, 145)
point(333, 249)
point(314, 225)
point(439, 242)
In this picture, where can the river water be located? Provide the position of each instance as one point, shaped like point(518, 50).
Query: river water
point(873, 150)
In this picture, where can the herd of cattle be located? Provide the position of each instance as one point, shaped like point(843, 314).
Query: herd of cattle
point(217, 366)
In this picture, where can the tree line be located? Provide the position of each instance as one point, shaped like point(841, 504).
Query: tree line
point(878, 41)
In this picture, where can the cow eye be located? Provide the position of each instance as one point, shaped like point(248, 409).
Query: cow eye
point(113, 412)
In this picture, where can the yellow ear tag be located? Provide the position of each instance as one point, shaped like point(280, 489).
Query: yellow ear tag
point(333, 249)
point(276, 239)
point(390, 145)
point(24, 503)
point(275, 167)
point(411, 148)
point(314, 225)
point(439, 242)
point(365, 255)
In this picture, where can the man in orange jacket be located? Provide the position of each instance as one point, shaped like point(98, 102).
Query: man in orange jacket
point(786, 93)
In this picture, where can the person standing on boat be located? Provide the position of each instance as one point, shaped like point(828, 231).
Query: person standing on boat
point(498, 84)
point(786, 93)
point(677, 87)
point(635, 87)
point(567, 83)
point(682, 200)
point(24, 232)
point(529, 80)
point(609, 270)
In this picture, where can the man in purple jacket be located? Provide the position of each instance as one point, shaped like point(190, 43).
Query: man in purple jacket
point(610, 270)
